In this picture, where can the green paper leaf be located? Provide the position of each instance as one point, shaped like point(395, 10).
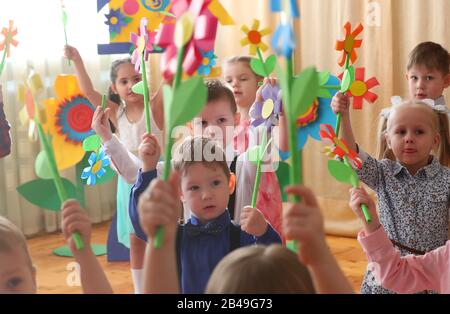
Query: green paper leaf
point(324, 77)
point(346, 81)
point(64, 251)
point(323, 93)
point(304, 91)
point(258, 67)
point(271, 62)
point(341, 172)
point(351, 70)
point(92, 143)
point(283, 178)
point(138, 88)
point(42, 193)
point(42, 166)
point(188, 100)
point(108, 176)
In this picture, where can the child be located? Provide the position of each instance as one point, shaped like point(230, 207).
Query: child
point(413, 190)
point(206, 184)
point(5, 138)
point(17, 273)
point(407, 274)
point(125, 109)
point(257, 269)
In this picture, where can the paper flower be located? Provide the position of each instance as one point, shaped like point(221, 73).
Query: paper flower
point(9, 40)
point(143, 43)
point(202, 39)
point(266, 112)
point(283, 40)
point(208, 61)
point(348, 45)
point(115, 20)
point(360, 89)
point(277, 6)
point(68, 121)
point(96, 167)
point(254, 37)
point(338, 147)
point(319, 113)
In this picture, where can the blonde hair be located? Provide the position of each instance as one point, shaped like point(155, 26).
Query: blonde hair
point(12, 238)
point(260, 269)
point(186, 155)
point(243, 59)
point(440, 125)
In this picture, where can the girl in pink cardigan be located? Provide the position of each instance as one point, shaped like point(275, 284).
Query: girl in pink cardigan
point(408, 274)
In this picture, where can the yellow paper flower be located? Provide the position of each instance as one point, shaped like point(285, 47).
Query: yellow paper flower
point(69, 118)
point(254, 37)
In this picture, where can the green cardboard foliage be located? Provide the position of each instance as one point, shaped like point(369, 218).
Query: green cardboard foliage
point(92, 143)
point(342, 172)
point(304, 91)
point(271, 62)
point(263, 68)
point(323, 77)
point(42, 193)
point(283, 178)
point(42, 166)
point(64, 251)
point(138, 88)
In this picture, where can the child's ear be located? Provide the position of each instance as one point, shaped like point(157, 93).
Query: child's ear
point(114, 88)
point(237, 118)
point(447, 81)
point(232, 183)
point(436, 141)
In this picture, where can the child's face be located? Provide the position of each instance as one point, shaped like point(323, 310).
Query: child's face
point(16, 275)
point(216, 119)
point(126, 78)
point(411, 137)
point(243, 82)
point(425, 83)
point(206, 191)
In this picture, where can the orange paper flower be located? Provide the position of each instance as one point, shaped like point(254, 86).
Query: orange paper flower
point(348, 45)
point(360, 89)
point(254, 37)
point(9, 33)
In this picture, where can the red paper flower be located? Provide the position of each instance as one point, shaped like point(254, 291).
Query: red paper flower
point(338, 147)
point(203, 36)
point(9, 33)
point(348, 45)
point(360, 89)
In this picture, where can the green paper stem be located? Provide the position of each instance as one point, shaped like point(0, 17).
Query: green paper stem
point(355, 184)
point(79, 184)
point(339, 115)
point(64, 19)
point(2, 64)
point(146, 101)
point(103, 102)
point(169, 143)
point(56, 177)
point(262, 61)
point(264, 145)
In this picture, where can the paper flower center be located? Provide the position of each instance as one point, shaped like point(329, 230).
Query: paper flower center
point(267, 108)
point(309, 116)
point(358, 88)
point(113, 20)
point(141, 44)
point(80, 118)
point(254, 37)
point(205, 61)
point(97, 166)
point(349, 42)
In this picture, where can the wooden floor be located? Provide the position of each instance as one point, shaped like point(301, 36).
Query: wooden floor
point(54, 274)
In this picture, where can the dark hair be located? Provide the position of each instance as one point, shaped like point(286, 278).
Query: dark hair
point(217, 90)
point(113, 76)
point(431, 55)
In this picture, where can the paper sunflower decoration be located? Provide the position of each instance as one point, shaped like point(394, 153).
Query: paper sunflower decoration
point(98, 163)
point(6, 43)
point(349, 44)
point(69, 118)
point(116, 20)
point(266, 112)
point(360, 89)
point(253, 37)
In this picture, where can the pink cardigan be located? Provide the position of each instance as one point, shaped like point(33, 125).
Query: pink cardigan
point(410, 273)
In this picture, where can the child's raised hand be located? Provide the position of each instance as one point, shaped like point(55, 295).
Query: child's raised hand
point(357, 197)
point(340, 103)
point(71, 53)
point(149, 152)
point(74, 218)
point(160, 205)
point(253, 221)
point(267, 81)
point(303, 222)
point(100, 123)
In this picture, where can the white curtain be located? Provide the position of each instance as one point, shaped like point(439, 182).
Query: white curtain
point(41, 42)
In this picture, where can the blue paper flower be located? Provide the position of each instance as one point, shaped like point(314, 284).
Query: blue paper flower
point(116, 20)
point(283, 40)
point(276, 6)
point(74, 118)
point(96, 167)
point(208, 61)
